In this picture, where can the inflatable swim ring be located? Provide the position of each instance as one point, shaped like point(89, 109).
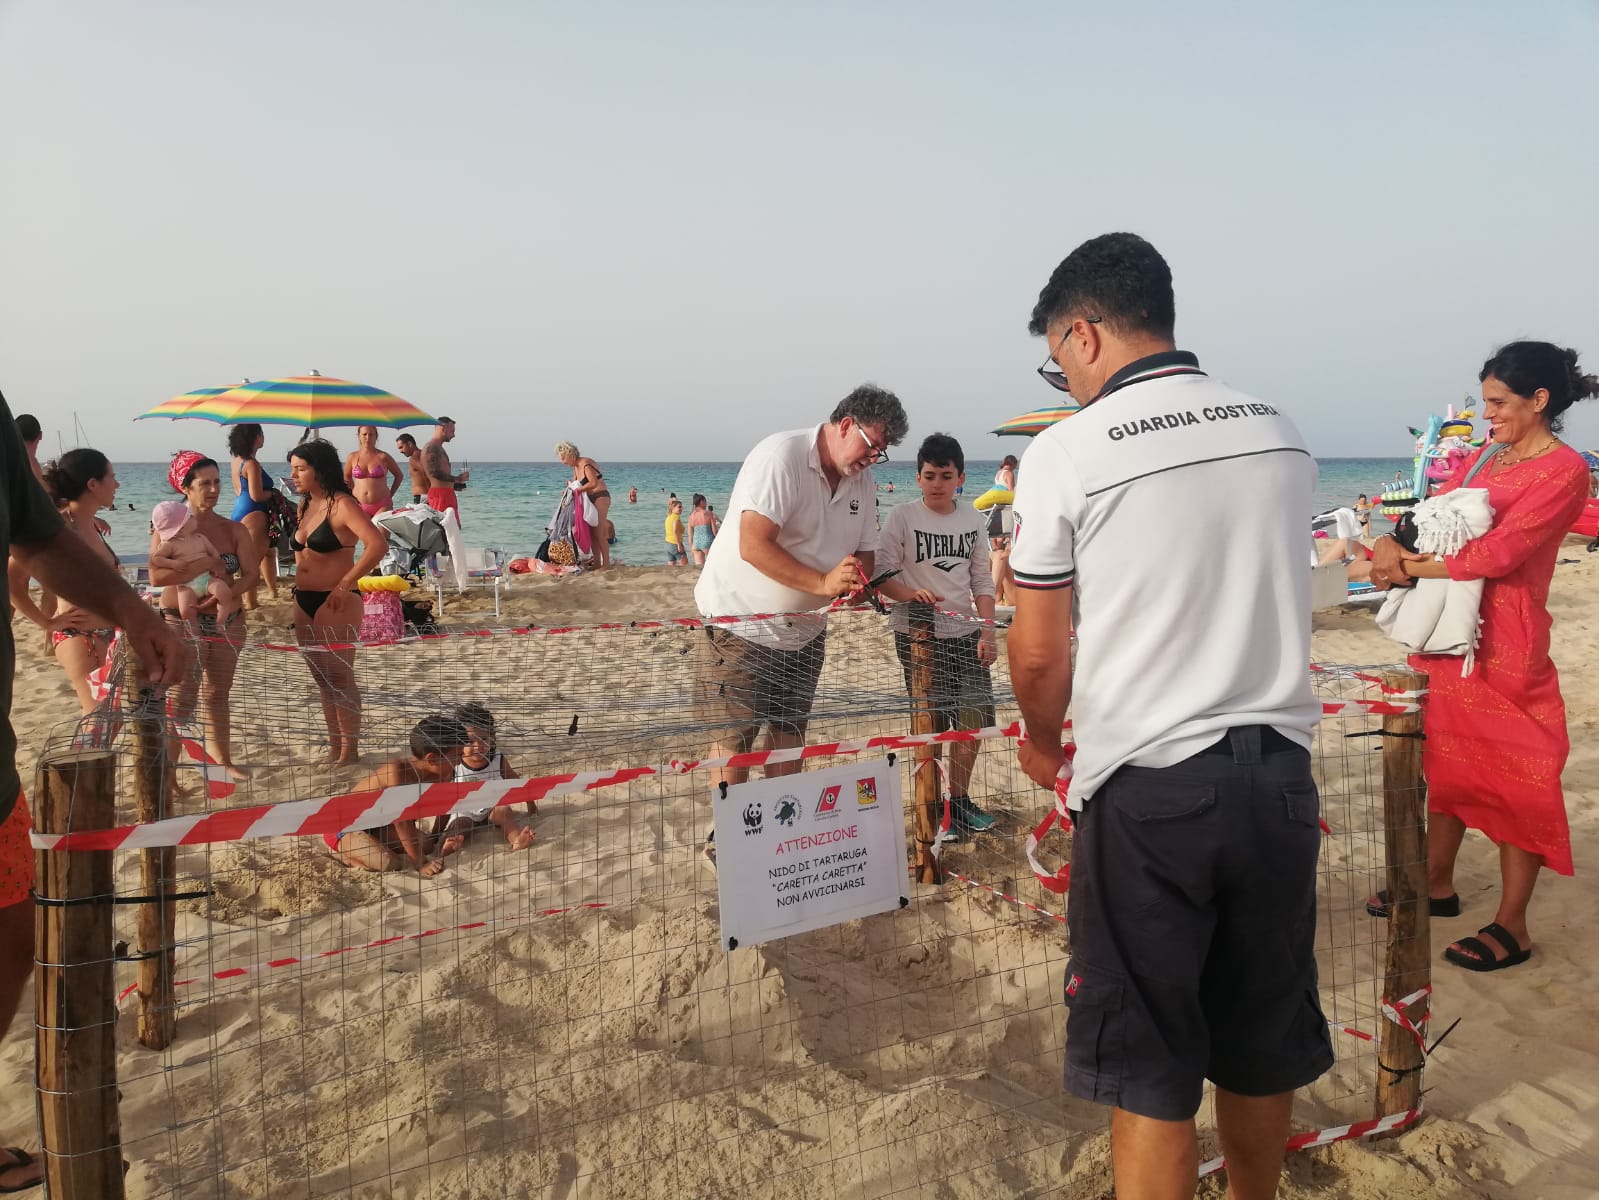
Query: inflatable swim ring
point(993, 496)
point(383, 583)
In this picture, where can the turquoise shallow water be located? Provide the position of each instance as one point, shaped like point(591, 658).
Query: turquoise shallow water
point(508, 504)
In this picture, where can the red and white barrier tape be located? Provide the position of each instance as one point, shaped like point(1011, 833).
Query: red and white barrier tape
point(99, 680)
point(364, 810)
point(1058, 881)
point(219, 785)
point(941, 836)
point(1338, 1133)
point(844, 604)
point(1368, 708)
point(994, 891)
point(322, 955)
point(1394, 1011)
point(1375, 680)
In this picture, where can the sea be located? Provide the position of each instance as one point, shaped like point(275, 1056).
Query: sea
point(506, 506)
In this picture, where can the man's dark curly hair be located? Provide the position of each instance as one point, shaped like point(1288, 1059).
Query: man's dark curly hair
point(872, 405)
point(1119, 278)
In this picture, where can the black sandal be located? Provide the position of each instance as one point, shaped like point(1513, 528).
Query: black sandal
point(1448, 906)
point(1482, 956)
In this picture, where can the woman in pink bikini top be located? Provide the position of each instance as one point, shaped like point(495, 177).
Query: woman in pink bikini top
point(365, 469)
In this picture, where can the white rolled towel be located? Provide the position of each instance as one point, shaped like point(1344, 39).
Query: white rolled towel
point(1441, 616)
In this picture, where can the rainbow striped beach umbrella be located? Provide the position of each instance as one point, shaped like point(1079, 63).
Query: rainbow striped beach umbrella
point(314, 401)
point(179, 406)
point(1031, 424)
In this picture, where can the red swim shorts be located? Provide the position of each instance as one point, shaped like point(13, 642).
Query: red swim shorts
point(441, 499)
point(16, 855)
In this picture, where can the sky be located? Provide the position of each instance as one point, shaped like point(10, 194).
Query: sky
point(665, 230)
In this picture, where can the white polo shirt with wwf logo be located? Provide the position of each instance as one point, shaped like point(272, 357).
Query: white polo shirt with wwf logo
point(1175, 508)
point(782, 479)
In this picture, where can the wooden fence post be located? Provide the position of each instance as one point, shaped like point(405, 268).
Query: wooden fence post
point(928, 793)
point(1408, 965)
point(74, 1005)
point(158, 1017)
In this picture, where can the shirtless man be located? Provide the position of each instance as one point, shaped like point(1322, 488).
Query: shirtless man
point(436, 746)
point(442, 485)
point(412, 453)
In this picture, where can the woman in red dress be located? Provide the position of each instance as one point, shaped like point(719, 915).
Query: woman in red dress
point(1496, 739)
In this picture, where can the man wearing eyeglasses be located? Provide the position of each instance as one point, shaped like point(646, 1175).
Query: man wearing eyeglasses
point(801, 529)
point(1192, 912)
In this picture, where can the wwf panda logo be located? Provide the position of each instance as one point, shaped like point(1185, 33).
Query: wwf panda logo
point(752, 816)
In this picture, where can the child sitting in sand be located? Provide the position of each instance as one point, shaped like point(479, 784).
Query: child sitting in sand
point(186, 550)
point(483, 760)
point(436, 746)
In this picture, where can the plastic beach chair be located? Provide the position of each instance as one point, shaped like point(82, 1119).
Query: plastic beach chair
point(471, 568)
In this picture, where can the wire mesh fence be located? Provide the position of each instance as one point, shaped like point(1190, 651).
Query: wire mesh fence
point(560, 1018)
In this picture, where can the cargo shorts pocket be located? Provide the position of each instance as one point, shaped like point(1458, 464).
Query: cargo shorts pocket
point(1095, 1033)
point(1302, 804)
point(1160, 797)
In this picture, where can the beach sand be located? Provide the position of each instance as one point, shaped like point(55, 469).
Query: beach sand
point(532, 1057)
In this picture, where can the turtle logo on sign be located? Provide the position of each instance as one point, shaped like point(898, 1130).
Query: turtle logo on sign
point(752, 817)
point(787, 812)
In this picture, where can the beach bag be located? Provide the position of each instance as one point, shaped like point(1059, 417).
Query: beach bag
point(382, 617)
point(562, 553)
point(280, 518)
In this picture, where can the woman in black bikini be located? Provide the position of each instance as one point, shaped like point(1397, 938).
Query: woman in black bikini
point(588, 477)
point(327, 609)
point(199, 480)
point(82, 482)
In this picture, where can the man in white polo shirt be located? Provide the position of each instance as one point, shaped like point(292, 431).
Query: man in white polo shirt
point(1193, 902)
point(801, 529)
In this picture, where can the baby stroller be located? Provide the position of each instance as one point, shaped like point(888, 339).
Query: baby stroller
point(415, 535)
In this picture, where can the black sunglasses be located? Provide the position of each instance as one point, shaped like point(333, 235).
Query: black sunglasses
point(1057, 378)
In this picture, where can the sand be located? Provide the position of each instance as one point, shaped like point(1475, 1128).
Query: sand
point(618, 1051)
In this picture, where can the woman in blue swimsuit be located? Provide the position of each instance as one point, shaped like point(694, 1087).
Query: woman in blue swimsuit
point(702, 530)
point(253, 488)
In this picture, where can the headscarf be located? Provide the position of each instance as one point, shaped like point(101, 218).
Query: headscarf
point(182, 462)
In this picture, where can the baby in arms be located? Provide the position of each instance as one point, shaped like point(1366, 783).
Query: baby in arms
point(189, 552)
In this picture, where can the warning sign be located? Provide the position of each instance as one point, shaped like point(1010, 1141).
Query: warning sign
point(807, 850)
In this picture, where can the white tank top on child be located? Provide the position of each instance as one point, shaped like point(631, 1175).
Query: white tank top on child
point(489, 770)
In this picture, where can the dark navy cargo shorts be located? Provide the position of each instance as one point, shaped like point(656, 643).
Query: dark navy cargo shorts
point(1192, 919)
